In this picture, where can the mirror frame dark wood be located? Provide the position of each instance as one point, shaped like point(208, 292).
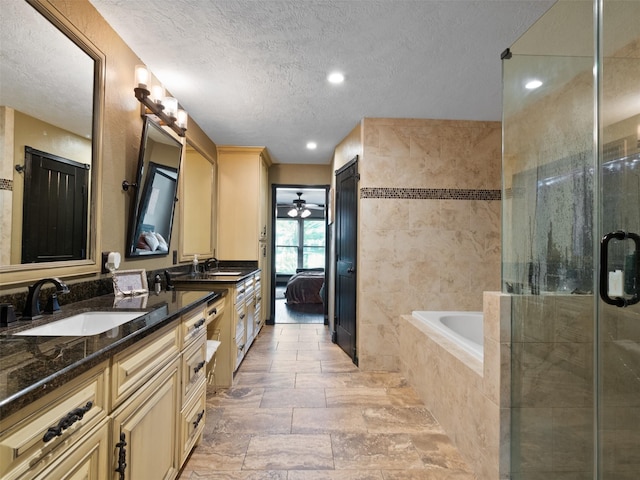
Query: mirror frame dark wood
point(142, 192)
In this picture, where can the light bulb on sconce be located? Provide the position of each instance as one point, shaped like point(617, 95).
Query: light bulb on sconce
point(157, 94)
point(141, 76)
point(182, 118)
point(170, 107)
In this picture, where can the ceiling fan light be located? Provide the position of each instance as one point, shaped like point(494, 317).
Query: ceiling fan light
point(293, 212)
point(305, 213)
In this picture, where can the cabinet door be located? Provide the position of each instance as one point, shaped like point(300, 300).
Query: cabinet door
point(87, 460)
point(242, 201)
point(145, 432)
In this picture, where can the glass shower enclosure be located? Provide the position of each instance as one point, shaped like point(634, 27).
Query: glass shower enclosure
point(571, 241)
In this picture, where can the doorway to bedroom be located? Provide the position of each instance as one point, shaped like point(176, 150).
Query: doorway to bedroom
point(299, 256)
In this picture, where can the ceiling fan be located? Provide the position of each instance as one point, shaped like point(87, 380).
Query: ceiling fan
point(301, 208)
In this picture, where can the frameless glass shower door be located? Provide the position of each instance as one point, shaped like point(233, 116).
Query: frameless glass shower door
point(618, 313)
point(571, 210)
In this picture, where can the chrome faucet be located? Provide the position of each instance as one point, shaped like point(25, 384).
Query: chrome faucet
point(32, 305)
point(209, 261)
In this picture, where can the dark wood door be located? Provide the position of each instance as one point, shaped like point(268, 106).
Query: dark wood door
point(346, 243)
point(54, 208)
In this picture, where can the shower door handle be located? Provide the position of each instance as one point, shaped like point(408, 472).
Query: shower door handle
point(604, 270)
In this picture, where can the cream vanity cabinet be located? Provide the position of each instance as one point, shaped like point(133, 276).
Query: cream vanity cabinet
point(244, 318)
point(158, 389)
point(194, 376)
point(243, 207)
point(145, 395)
point(218, 345)
point(135, 416)
point(236, 325)
point(62, 435)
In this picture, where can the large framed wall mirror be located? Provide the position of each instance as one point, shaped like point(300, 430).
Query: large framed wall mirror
point(197, 203)
point(155, 192)
point(51, 98)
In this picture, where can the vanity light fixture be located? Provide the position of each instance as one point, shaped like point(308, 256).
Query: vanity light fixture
point(165, 108)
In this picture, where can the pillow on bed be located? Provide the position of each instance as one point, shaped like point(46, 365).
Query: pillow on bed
point(151, 240)
point(162, 243)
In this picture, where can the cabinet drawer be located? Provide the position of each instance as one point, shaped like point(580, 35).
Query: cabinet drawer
point(192, 324)
point(241, 347)
point(257, 318)
point(249, 287)
point(192, 420)
point(53, 423)
point(88, 460)
point(241, 319)
point(194, 366)
point(138, 363)
point(215, 310)
point(241, 291)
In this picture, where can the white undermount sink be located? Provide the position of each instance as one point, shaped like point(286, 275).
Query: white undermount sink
point(82, 324)
point(215, 274)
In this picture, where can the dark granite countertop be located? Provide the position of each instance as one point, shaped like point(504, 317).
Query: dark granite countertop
point(32, 366)
point(221, 276)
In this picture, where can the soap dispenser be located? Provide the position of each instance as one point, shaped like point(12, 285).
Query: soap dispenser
point(195, 264)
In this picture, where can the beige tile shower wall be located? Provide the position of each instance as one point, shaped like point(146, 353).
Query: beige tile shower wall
point(418, 251)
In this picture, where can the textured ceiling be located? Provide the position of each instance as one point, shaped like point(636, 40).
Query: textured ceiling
point(254, 72)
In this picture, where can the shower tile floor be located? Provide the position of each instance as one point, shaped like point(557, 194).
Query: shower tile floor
point(300, 410)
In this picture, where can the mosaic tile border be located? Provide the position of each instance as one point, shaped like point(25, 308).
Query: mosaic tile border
point(430, 193)
point(6, 184)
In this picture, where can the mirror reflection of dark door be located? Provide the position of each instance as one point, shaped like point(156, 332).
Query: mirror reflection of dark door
point(299, 254)
point(346, 248)
point(56, 196)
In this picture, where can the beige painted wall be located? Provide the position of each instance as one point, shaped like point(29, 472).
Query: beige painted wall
point(299, 174)
point(121, 134)
point(422, 253)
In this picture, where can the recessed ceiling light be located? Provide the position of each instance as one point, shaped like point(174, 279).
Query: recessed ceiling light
point(533, 84)
point(335, 78)
point(312, 145)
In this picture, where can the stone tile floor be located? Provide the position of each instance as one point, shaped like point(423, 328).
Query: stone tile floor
point(301, 410)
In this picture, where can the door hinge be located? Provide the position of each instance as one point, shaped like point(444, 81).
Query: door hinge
point(357, 177)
